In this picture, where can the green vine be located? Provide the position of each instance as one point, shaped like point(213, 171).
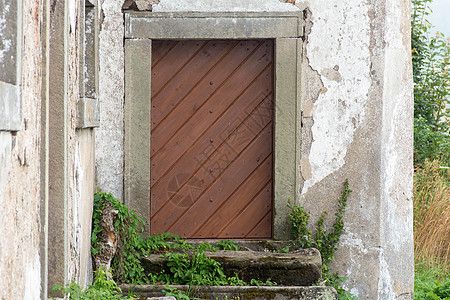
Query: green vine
point(323, 240)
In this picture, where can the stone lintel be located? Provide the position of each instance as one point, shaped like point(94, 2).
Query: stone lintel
point(226, 25)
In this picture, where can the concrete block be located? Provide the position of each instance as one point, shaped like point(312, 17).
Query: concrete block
point(88, 113)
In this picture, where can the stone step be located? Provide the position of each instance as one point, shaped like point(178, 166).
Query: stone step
point(302, 267)
point(237, 292)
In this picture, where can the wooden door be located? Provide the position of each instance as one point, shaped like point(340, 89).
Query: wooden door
point(212, 138)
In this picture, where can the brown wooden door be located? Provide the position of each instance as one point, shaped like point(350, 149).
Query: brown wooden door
point(211, 138)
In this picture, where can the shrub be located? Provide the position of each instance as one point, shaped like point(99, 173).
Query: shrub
point(430, 59)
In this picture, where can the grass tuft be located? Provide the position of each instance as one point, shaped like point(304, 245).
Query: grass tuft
point(432, 214)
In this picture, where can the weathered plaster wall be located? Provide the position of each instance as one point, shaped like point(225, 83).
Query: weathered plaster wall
point(29, 159)
point(80, 161)
point(72, 210)
point(396, 156)
point(19, 176)
point(109, 136)
point(357, 124)
point(83, 201)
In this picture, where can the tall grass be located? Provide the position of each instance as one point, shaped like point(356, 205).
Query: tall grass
point(432, 214)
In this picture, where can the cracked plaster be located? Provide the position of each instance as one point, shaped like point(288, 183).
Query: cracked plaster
point(338, 40)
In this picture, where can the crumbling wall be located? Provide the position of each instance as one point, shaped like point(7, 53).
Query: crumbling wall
point(20, 174)
point(34, 252)
point(357, 124)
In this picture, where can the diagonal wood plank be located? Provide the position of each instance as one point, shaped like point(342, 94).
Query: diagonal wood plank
point(212, 138)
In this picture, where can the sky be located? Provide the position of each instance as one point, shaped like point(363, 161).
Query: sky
point(440, 18)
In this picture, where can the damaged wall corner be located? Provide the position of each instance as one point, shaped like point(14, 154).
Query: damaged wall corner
point(353, 126)
point(140, 5)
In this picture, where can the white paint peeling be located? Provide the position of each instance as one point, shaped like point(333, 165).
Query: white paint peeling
point(339, 41)
point(73, 15)
point(385, 288)
point(5, 157)
point(222, 6)
point(348, 239)
point(33, 279)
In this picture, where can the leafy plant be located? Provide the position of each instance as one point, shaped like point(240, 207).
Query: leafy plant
point(227, 245)
point(431, 282)
point(126, 266)
point(195, 270)
point(257, 282)
point(184, 268)
point(101, 289)
point(323, 240)
point(174, 292)
point(430, 59)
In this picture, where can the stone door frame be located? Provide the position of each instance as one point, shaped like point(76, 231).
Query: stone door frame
point(286, 28)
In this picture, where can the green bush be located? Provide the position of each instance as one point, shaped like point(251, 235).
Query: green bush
point(430, 59)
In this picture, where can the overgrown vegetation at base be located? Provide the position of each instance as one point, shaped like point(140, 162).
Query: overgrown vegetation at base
point(323, 240)
point(185, 269)
point(197, 269)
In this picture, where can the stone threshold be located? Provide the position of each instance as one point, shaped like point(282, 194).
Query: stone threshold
point(237, 292)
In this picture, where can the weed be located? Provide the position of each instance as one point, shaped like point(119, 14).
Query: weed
point(126, 266)
point(184, 268)
point(174, 292)
point(101, 289)
point(227, 245)
point(431, 281)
